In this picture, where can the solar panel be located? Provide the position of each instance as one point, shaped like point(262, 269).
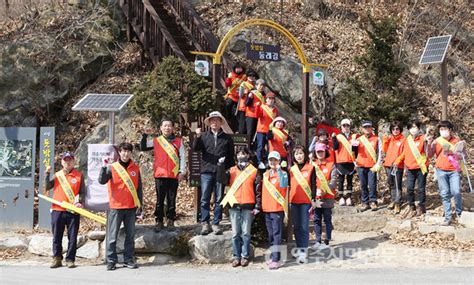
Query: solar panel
point(435, 49)
point(102, 102)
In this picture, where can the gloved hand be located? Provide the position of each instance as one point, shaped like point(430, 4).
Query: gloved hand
point(105, 161)
point(221, 160)
point(355, 143)
point(139, 213)
point(78, 205)
point(284, 164)
point(255, 212)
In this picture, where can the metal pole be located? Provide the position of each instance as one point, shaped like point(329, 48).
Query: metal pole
point(304, 110)
point(111, 127)
point(444, 90)
point(216, 84)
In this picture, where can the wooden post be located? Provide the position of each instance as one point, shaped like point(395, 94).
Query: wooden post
point(216, 83)
point(304, 110)
point(444, 90)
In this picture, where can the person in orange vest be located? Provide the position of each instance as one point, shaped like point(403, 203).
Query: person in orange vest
point(68, 185)
point(244, 90)
point(244, 199)
point(322, 137)
point(274, 205)
point(233, 81)
point(302, 192)
point(448, 150)
point(345, 161)
point(393, 146)
point(125, 202)
point(266, 114)
point(414, 157)
point(326, 179)
point(368, 147)
point(256, 97)
point(278, 139)
point(169, 169)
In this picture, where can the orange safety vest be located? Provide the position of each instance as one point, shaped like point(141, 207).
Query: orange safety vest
point(297, 194)
point(442, 161)
point(248, 87)
point(269, 204)
point(74, 179)
point(251, 111)
point(332, 154)
point(363, 157)
point(265, 118)
point(394, 148)
point(233, 90)
point(342, 155)
point(163, 165)
point(409, 158)
point(326, 167)
point(119, 195)
point(245, 193)
point(277, 143)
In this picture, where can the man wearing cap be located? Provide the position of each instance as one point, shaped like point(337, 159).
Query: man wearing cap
point(244, 91)
point(217, 150)
point(369, 162)
point(68, 186)
point(255, 97)
point(233, 82)
point(125, 201)
point(345, 161)
point(266, 114)
point(169, 169)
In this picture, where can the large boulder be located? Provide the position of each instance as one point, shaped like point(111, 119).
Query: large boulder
point(467, 219)
point(89, 250)
point(41, 244)
point(348, 219)
point(13, 242)
point(149, 241)
point(96, 235)
point(212, 248)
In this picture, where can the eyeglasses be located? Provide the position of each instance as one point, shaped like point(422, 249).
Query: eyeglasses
point(346, 125)
point(396, 129)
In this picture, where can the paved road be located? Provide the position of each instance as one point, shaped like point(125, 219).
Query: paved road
point(206, 275)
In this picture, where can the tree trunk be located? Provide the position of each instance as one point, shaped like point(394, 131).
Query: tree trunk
point(316, 9)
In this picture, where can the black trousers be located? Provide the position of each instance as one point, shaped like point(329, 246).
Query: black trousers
point(251, 127)
point(242, 122)
point(230, 115)
point(59, 221)
point(166, 188)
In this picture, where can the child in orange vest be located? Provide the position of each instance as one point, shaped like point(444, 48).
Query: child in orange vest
point(244, 90)
point(73, 192)
point(245, 203)
point(233, 82)
point(393, 147)
point(167, 172)
point(266, 114)
point(345, 162)
point(255, 97)
point(274, 191)
point(278, 139)
point(302, 192)
point(326, 179)
point(368, 148)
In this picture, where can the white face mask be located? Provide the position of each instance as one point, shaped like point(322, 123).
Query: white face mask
point(444, 133)
point(414, 131)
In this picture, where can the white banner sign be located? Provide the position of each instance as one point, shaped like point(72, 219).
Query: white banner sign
point(97, 197)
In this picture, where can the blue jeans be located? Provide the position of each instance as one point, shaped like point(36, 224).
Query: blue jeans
point(449, 184)
point(319, 215)
point(367, 178)
point(395, 184)
point(300, 219)
point(274, 223)
point(261, 143)
point(241, 221)
point(209, 185)
point(412, 176)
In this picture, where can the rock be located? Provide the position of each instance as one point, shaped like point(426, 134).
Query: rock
point(464, 234)
point(41, 244)
point(425, 228)
point(347, 219)
point(212, 248)
point(161, 259)
point(391, 227)
point(11, 242)
point(449, 230)
point(148, 241)
point(406, 226)
point(467, 219)
point(96, 235)
point(434, 220)
point(89, 250)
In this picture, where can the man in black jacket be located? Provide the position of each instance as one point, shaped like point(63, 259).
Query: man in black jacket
point(217, 150)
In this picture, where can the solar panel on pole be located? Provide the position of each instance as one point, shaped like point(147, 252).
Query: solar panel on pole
point(102, 102)
point(435, 50)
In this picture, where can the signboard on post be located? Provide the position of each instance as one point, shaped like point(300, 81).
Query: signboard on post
point(241, 140)
point(46, 158)
point(257, 51)
point(201, 67)
point(318, 78)
point(97, 196)
point(17, 170)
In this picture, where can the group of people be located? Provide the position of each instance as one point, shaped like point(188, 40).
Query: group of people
point(272, 176)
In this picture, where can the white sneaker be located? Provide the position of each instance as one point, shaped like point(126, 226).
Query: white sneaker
point(302, 258)
point(261, 165)
point(316, 246)
point(323, 246)
point(349, 202)
point(342, 202)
